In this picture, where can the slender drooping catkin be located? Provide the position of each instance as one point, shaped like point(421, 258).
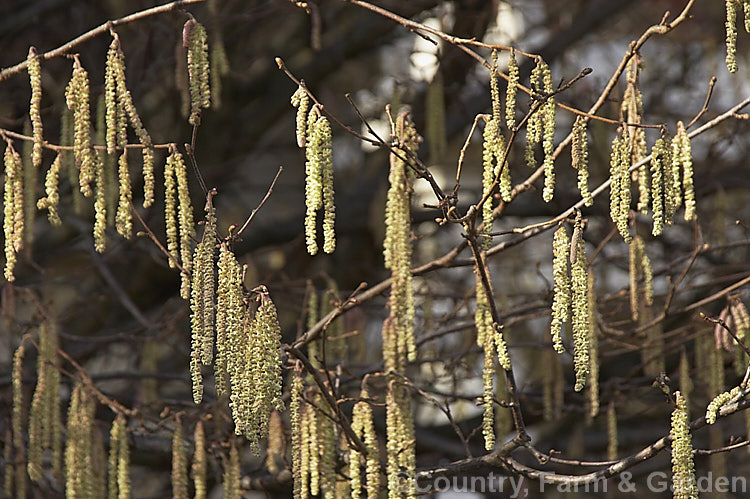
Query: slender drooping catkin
point(77, 98)
point(176, 186)
point(301, 101)
point(401, 455)
point(593, 381)
point(731, 35)
point(580, 158)
point(612, 440)
point(52, 198)
point(548, 134)
point(510, 91)
point(581, 320)
point(231, 479)
point(229, 313)
point(534, 123)
point(195, 41)
point(124, 218)
point(682, 159)
point(219, 66)
point(397, 249)
point(659, 155)
point(561, 282)
point(364, 428)
point(199, 466)
point(683, 470)
point(619, 188)
point(13, 220)
point(179, 464)
point(78, 445)
point(639, 268)
point(296, 423)
point(488, 404)
point(318, 181)
point(35, 81)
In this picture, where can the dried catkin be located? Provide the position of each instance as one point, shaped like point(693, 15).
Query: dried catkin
point(199, 461)
point(77, 98)
point(195, 41)
point(13, 220)
point(510, 91)
point(561, 282)
point(179, 464)
point(580, 158)
point(35, 81)
point(231, 479)
point(397, 249)
point(731, 35)
point(683, 470)
point(124, 218)
point(612, 440)
point(581, 321)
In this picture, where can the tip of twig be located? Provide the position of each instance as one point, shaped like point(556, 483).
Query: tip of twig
point(279, 62)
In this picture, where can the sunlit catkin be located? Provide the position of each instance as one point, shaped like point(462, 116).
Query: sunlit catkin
point(124, 218)
point(400, 445)
point(13, 220)
point(199, 466)
point(682, 157)
point(35, 81)
point(619, 187)
point(195, 41)
point(488, 393)
point(397, 248)
point(731, 35)
point(659, 155)
point(115, 125)
point(179, 464)
point(534, 123)
point(301, 101)
point(185, 217)
point(561, 283)
point(170, 208)
point(52, 198)
point(581, 321)
point(323, 127)
point(722, 399)
point(77, 98)
point(580, 158)
point(548, 134)
point(229, 314)
point(510, 91)
point(364, 428)
point(683, 470)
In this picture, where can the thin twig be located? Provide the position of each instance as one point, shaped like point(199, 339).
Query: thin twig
point(262, 202)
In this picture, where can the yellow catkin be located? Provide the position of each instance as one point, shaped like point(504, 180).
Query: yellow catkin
point(185, 218)
point(100, 208)
point(364, 428)
point(327, 451)
point(612, 440)
point(170, 208)
point(44, 414)
point(682, 157)
point(229, 311)
point(17, 418)
point(581, 320)
point(13, 220)
point(534, 123)
point(510, 91)
point(593, 381)
point(30, 188)
point(561, 282)
point(124, 218)
point(400, 444)
point(548, 134)
point(231, 478)
point(148, 176)
point(219, 67)
point(199, 461)
point(78, 456)
point(619, 205)
point(580, 158)
point(319, 191)
point(127, 111)
point(323, 127)
point(722, 399)
point(52, 198)
point(488, 375)
point(179, 464)
point(683, 470)
point(301, 101)
point(35, 81)
point(77, 98)
point(114, 452)
point(195, 41)
point(659, 155)
point(731, 35)
point(397, 247)
point(113, 114)
point(296, 429)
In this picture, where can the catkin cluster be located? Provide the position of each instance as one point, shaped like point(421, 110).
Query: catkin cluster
point(487, 331)
point(671, 179)
point(52, 198)
point(13, 219)
point(400, 444)
point(571, 299)
point(682, 163)
point(45, 426)
point(640, 268)
point(195, 41)
point(314, 134)
point(119, 460)
point(722, 399)
point(397, 250)
point(78, 446)
point(619, 187)
point(631, 111)
point(77, 98)
point(683, 470)
point(580, 158)
point(541, 125)
point(493, 163)
point(364, 428)
point(35, 81)
point(120, 110)
point(178, 217)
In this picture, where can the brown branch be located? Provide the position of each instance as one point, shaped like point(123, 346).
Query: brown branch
point(262, 202)
point(101, 29)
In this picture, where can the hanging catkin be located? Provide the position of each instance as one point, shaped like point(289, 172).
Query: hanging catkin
point(731, 35)
point(561, 280)
point(35, 81)
point(195, 41)
point(580, 158)
point(683, 470)
point(659, 157)
point(619, 188)
point(124, 218)
point(319, 191)
point(199, 461)
point(581, 321)
point(179, 464)
point(13, 220)
point(77, 98)
point(510, 91)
